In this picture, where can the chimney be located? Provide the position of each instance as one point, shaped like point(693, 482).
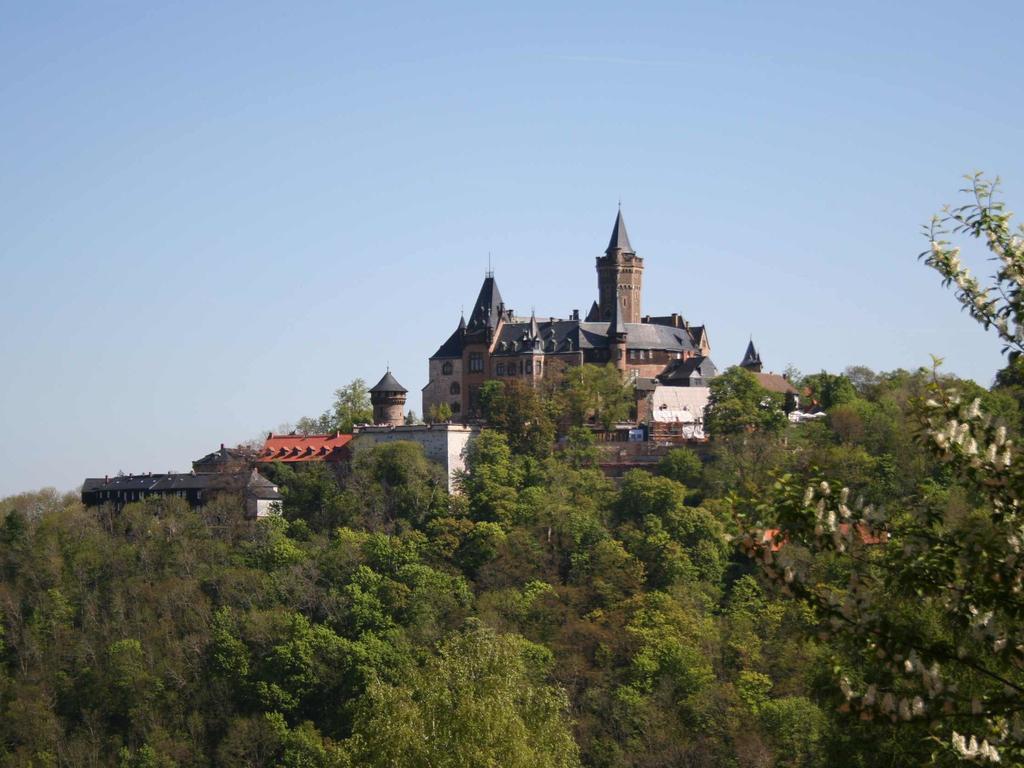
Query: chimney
point(222, 446)
point(106, 479)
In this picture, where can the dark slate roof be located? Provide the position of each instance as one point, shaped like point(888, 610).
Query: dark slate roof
point(453, 346)
point(619, 240)
point(253, 483)
point(594, 314)
point(647, 336)
point(681, 371)
point(572, 335)
point(751, 357)
point(224, 456)
point(488, 307)
point(549, 336)
point(388, 383)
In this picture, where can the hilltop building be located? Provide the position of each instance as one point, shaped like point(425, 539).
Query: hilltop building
point(773, 382)
point(495, 343)
point(299, 449)
point(387, 397)
point(443, 443)
point(225, 460)
point(261, 496)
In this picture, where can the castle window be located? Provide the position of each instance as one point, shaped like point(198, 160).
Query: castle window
point(455, 388)
point(476, 362)
point(456, 407)
point(501, 369)
point(529, 366)
point(446, 369)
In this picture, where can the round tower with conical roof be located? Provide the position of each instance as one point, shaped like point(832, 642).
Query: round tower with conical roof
point(388, 399)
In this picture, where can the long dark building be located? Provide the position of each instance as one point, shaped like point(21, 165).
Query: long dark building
point(260, 495)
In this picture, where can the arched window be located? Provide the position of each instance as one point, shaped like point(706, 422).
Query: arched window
point(446, 369)
point(455, 388)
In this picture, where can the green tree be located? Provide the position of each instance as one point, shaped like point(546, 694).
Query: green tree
point(682, 465)
point(439, 413)
point(595, 393)
point(351, 406)
point(830, 389)
point(482, 701)
point(925, 598)
point(739, 404)
point(520, 411)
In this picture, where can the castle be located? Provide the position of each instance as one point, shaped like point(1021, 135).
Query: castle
point(496, 344)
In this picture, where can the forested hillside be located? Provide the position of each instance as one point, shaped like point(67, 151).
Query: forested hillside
point(547, 616)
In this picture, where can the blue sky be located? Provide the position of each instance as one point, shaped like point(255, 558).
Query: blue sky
point(212, 215)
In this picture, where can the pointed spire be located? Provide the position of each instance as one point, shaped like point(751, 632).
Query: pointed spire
point(594, 315)
point(488, 305)
point(751, 359)
point(534, 328)
point(462, 321)
point(619, 240)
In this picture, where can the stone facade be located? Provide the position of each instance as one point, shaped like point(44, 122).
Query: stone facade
point(442, 443)
point(445, 386)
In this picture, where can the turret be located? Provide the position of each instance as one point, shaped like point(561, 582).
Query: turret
point(388, 399)
point(751, 359)
point(620, 270)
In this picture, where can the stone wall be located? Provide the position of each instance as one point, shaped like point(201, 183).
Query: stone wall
point(443, 443)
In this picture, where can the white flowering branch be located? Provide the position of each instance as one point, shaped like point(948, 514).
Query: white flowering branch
point(933, 608)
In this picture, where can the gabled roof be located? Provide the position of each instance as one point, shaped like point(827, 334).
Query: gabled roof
point(619, 240)
point(300, 448)
point(222, 458)
point(487, 309)
point(751, 357)
point(388, 383)
point(683, 371)
point(594, 314)
point(775, 382)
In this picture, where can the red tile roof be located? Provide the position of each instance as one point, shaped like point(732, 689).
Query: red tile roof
point(296, 448)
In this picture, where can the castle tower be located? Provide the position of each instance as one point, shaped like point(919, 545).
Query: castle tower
point(752, 359)
point(388, 399)
point(620, 271)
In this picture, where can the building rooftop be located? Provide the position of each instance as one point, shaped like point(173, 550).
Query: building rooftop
point(291, 449)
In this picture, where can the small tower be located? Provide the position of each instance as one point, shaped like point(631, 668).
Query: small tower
point(620, 271)
point(751, 360)
point(388, 399)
